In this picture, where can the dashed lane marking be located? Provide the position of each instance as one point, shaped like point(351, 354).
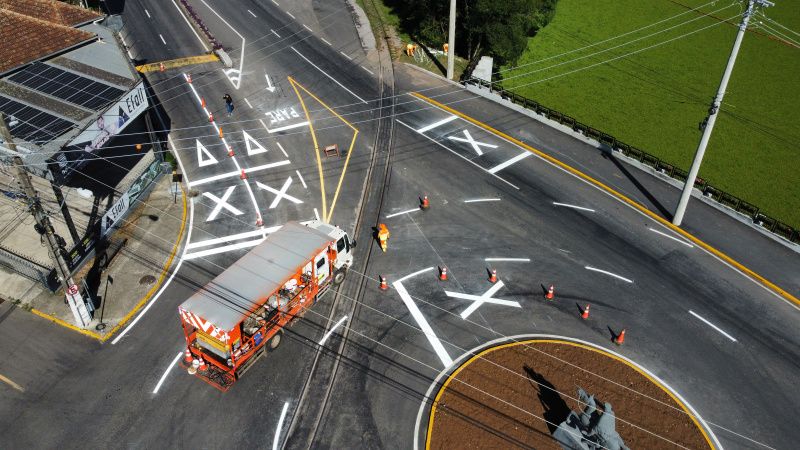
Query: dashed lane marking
point(672, 237)
point(507, 259)
point(566, 205)
point(346, 55)
point(162, 39)
point(251, 13)
point(166, 372)
point(316, 213)
point(325, 41)
point(282, 150)
point(276, 34)
point(302, 181)
point(594, 269)
point(307, 28)
point(248, 103)
point(148, 13)
point(276, 439)
point(290, 14)
point(712, 325)
point(478, 200)
point(8, 381)
point(370, 72)
point(403, 212)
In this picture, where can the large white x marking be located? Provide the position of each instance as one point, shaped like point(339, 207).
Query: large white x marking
point(279, 194)
point(485, 298)
point(222, 203)
point(469, 140)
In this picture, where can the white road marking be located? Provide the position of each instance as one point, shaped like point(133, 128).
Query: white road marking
point(301, 179)
point(476, 145)
point(237, 173)
point(222, 203)
point(276, 3)
point(414, 274)
point(594, 269)
point(478, 300)
point(279, 194)
point(208, 159)
point(253, 146)
point(148, 13)
point(263, 124)
point(323, 40)
point(162, 39)
point(282, 150)
point(436, 124)
point(166, 372)
point(673, 238)
point(307, 28)
point(459, 155)
point(276, 34)
point(316, 213)
point(232, 237)
point(287, 127)
point(248, 102)
point(370, 72)
point(333, 328)
point(346, 55)
point(507, 259)
point(328, 75)
point(712, 326)
point(403, 212)
point(423, 324)
point(238, 82)
point(290, 14)
point(276, 439)
point(202, 42)
point(223, 249)
point(270, 87)
point(477, 200)
point(251, 13)
point(573, 206)
point(511, 161)
point(9, 382)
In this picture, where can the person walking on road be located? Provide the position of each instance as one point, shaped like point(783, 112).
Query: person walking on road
point(228, 104)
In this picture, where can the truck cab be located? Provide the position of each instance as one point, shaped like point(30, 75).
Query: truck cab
point(338, 258)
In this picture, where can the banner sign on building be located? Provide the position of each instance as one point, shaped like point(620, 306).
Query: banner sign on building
point(115, 213)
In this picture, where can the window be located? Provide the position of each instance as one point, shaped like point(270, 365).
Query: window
point(320, 263)
point(340, 245)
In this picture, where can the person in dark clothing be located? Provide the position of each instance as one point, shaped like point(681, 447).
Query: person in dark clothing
point(228, 104)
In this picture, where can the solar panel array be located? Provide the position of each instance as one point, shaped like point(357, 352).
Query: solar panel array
point(33, 125)
point(67, 86)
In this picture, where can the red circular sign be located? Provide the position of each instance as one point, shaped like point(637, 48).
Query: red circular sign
point(73, 289)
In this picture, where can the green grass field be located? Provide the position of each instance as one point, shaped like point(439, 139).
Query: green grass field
point(655, 99)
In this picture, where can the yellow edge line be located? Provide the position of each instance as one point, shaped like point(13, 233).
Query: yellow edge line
point(8, 381)
point(620, 196)
point(554, 341)
point(142, 302)
point(316, 147)
point(341, 177)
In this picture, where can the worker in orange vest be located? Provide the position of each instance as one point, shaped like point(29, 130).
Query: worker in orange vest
point(383, 236)
point(445, 47)
point(410, 48)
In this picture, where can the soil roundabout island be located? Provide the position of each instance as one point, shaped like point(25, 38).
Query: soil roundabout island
point(515, 394)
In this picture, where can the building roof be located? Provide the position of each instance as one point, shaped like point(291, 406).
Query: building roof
point(227, 299)
point(32, 30)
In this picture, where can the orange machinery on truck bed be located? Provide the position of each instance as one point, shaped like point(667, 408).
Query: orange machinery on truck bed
point(232, 321)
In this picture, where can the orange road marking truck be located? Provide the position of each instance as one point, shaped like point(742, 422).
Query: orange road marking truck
point(232, 321)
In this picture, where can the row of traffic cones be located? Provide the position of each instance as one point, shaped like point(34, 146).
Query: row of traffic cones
point(194, 365)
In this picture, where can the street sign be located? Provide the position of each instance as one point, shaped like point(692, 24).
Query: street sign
point(73, 289)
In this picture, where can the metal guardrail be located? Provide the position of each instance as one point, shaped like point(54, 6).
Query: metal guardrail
point(24, 266)
point(749, 210)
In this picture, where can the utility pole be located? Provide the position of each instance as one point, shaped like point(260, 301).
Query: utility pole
point(451, 40)
point(714, 110)
point(45, 228)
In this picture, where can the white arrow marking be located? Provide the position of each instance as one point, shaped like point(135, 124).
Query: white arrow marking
point(270, 87)
point(258, 147)
point(479, 300)
point(209, 158)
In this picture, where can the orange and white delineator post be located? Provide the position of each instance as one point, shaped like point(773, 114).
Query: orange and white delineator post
point(550, 292)
point(585, 314)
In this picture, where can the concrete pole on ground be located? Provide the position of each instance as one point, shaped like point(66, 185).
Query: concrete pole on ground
point(45, 228)
point(714, 111)
point(451, 41)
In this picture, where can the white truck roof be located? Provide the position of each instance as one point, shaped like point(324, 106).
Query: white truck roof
point(228, 298)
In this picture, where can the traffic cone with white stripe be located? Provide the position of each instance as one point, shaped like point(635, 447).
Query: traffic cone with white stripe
point(189, 78)
point(230, 151)
point(425, 204)
point(243, 175)
point(585, 314)
point(187, 357)
point(210, 117)
point(493, 276)
point(384, 285)
point(443, 273)
point(203, 366)
point(620, 338)
point(550, 292)
point(193, 367)
point(161, 67)
point(259, 221)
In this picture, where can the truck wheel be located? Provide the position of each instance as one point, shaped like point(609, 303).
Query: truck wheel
point(276, 340)
point(338, 276)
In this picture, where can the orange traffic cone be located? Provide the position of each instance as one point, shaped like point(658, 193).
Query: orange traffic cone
point(384, 286)
point(425, 204)
point(493, 276)
point(203, 366)
point(189, 78)
point(243, 175)
point(187, 357)
point(550, 292)
point(585, 314)
point(202, 102)
point(161, 67)
point(620, 337)
point(443, 273)
point(259, 221)
point(230, 151)
point(210, 117)
point(220, 133)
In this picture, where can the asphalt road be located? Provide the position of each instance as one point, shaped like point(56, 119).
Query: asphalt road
point(487, 201)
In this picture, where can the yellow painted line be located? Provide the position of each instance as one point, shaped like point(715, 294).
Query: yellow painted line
point(142, 302)
point(180, 62)
point(8, 381)
point(727, 259)
point(326, 215)
point(316, 147)
point(455, 373)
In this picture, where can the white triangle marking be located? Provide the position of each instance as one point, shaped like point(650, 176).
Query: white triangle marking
point(250, 151)
point(209, 158)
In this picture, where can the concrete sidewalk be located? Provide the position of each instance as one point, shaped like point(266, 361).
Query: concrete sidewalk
point(152, 234)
